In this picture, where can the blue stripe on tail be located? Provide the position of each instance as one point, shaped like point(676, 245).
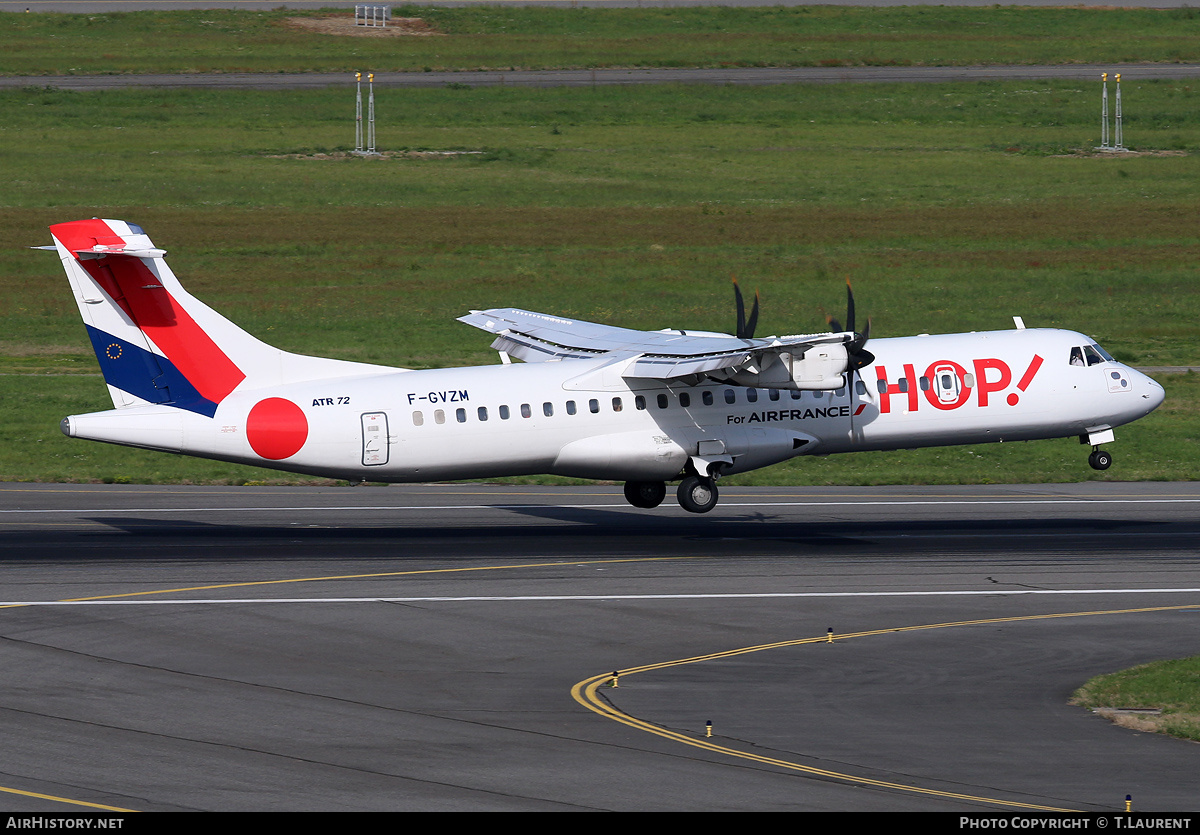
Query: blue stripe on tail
point(144, 374)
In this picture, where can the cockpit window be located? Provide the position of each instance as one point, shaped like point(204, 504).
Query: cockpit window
point(1091, 354)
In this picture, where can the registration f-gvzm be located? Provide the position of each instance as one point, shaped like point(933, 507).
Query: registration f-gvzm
point(587, 400)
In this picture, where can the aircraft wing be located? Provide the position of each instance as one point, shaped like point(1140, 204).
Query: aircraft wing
point(657, 355)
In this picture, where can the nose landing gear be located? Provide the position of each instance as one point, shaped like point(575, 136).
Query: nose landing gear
point(1100, 459)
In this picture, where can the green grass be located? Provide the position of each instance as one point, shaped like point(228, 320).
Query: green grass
point(889, 146)
point(952, 207)
point(635, 208)
point(506, 37)
point(1171, 686)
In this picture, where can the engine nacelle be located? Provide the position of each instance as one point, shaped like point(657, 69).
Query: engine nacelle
point(820, 368)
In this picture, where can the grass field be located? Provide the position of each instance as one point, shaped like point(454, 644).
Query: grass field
point(493, 37)
point(952, 207)
point(1172, 687)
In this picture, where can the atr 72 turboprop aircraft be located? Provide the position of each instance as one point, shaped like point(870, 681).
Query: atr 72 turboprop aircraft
point(588, 400)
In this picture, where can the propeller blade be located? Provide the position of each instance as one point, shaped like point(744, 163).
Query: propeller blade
point(745, 329)
point(849, 307)
point(741, 311)
point(857, 355)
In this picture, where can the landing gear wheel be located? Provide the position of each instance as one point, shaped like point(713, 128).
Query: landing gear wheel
point(1100, 459)
point(697, 495)
point(645, 493)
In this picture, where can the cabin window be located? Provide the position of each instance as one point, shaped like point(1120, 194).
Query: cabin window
point(662, 401)
point(418, 419)
point(773, 394)
point(752, 395)
point(639, 403)
point(594, 406)
point(730, 397)
point(796, 395)
point(460, 415)
point(504, 413)
point(482, 412)
point(548, 409)
point(902, 385)
point(570, 407)
point(924, 383)
point(861, 388)
point(616, 404)
point(439, 417)
point(707, 398)
point(685, 399)
point(881, 384)
point(526, 411)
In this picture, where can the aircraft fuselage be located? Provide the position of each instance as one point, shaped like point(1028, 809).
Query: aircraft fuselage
point(582, 418)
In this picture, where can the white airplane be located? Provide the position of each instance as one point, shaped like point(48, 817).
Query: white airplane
point(588, 400)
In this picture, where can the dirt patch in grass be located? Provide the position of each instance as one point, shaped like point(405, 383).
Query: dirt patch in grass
point(344, 25)
point(334, 155)
point(1182, 725)
point(1141, 720)
point(1111, 154)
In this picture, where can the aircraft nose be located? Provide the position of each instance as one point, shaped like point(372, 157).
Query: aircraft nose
point(1151, 391)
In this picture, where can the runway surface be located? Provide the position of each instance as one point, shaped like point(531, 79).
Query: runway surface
point(450, 647)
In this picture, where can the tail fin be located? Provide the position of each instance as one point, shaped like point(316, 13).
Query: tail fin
point(155, 342)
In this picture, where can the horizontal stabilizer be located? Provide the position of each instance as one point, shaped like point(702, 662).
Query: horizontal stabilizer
point(103, 251)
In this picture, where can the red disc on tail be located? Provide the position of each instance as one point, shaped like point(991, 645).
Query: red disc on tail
point(276, 428)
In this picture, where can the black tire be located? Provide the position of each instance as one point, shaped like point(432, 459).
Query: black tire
point(645, 493)
point(697, 495)
point(1100, 459)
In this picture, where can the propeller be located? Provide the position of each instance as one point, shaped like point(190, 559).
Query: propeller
point(858, 356)
point(745, 329)
point(856, 353)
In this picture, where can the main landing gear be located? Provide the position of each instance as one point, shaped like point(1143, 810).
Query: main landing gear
point(1100, 459)
point(645, 493)
point(696, 494)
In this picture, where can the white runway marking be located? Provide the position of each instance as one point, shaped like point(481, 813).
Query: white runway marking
point(758, 505)
point(592, 597)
